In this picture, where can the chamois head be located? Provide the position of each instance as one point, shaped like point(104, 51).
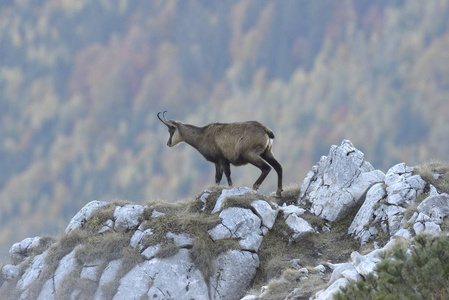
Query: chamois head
point(175, 137)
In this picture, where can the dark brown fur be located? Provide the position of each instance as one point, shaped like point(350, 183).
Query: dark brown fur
point(223, 144)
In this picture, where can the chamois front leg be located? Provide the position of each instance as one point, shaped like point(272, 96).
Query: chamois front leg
point(226, 165)
point(218, 173)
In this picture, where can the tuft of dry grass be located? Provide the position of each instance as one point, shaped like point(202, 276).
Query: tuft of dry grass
point(276, 252)
point(99, 218)
point(187, 217)
point(435, 173)
point(289, 195)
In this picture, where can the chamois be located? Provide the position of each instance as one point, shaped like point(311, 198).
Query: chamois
point(233, 143)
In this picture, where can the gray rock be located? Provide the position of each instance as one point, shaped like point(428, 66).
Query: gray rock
point(138, 236)
point(239, 223)
point(181, 240)
point(107, 227)
point(299, 226)
point(320, 268)
point(339, 269)
point(338, 182)
point(384, 208)
point(436, 207)
point(405, 233)
point(91, 271)
point(84, 214)
point(351, 275)
point(331, 290)
point(156, 214)
point(219, 232)
point(234, 271)
point(291, 209)
point(127, 217)
point(67, 264)
point(359, 227)
point(250, 297)
point(149, 252)
point(10, 272)
point(418, 227)
point(24, 248)
point(395, 218)
point(267, 214)
point(402, 186)
point(203, 198)
point(108, 276)
point(175, 277)
point(432, 228)
point(363, 265)
point(237, 191)
point(33, 272)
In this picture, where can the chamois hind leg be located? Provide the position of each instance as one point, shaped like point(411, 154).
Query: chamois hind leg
point(257, 161)
point(268, 156)
point(218, 173)
point(226, 165)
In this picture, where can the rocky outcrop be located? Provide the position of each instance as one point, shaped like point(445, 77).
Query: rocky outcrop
point(386, 203)
point(337, 183)
point(216, 246)
point(163, 268)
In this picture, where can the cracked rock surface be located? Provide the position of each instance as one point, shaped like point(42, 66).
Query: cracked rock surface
point(216, 247)
point(337, 183)
point(156, 261)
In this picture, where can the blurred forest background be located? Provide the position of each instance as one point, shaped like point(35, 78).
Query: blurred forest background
point(81, 83)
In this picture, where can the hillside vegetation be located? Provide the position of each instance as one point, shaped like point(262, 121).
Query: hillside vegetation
point(81, 83)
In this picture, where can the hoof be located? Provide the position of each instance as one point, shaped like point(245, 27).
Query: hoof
point(278, 194)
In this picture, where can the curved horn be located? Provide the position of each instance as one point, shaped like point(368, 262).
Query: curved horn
point(167, 123)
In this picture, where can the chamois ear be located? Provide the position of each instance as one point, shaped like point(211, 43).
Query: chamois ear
point(164, 120)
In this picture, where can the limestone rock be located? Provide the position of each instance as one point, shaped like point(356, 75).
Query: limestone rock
point(299, 226)
point(237, 191)
point(360, 226)
point(436, 207)
point(291, 209)
point(33, 272)
point(127, 217)
point(267, 214)
point(234, 270)
point(239, 223)
point(24, 248)
point(67, 264)
point(386, 203)
point(181, 240)
point(333, 289)
point(10, 272)
point(107, 277)
point(84, 214)
point(138, 236)
point(337, 183)
point(175, 277)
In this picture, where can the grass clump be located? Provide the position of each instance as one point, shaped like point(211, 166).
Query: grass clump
point(289, 195)
point(99, 218)
point(416, 271)
point(435, 173)
point(186, 217)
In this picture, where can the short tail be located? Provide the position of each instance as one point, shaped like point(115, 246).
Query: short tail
point(270, 133)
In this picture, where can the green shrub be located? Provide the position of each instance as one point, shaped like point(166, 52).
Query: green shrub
point(419, 273)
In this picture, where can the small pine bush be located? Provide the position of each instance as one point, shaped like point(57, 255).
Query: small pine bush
point(420, 271)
